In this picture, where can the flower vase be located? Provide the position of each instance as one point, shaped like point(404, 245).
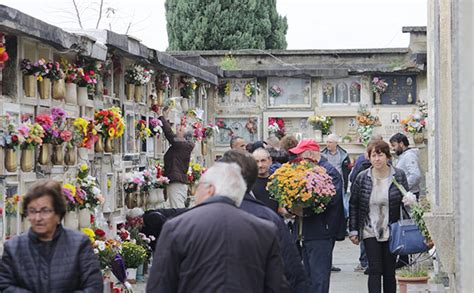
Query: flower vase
point(83, 154)
point(71, 220)
point(132, 275)
point(99, 145)
point(10, 160)
point(12, 228)
point(59, 89)
point(272, 101)
point(155, 197)
point(58, 155)
point(45, 88)
point(204, 148)
point(318, 135)
point(159, 98)
point(378, 99)
point(82, 96)
point(185, 104)
point(70, 157)
point(109, 145)
point(43, 158)
point(140, 275)
point(404, 282)
point(26, 160)
point(29, 85)
point(325, 137)
point(138, 93)
point(84, 218)
point(71, 93)
point(418, 137)
point(130, 91)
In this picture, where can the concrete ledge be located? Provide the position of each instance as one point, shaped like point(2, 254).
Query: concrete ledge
point(441, 228)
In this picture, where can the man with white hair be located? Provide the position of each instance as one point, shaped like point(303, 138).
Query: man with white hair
point(217, 247)
point(338, 158)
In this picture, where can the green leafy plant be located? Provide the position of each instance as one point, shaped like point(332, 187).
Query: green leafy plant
point(133, 254)
point(228, 62)
point(412, 273)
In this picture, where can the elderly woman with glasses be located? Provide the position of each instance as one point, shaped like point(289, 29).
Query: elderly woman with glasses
point(49, 258)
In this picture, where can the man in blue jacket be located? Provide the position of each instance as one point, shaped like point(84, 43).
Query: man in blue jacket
point(320, 231)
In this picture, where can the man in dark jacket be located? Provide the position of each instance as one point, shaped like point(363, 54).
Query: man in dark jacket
point(320, 231)
point(176, 160)
point(293, 268)
point(264, 161)
point(217, 247)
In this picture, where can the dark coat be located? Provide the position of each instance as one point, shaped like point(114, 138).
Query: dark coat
point(72, 265)
point(178, 155)
point(217, 247)
point(359, 202)
point(345, 165)
point(360, 165)
point(331, 223)
point(293, 268)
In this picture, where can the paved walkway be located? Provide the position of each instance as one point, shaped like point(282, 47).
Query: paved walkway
point(346, 257)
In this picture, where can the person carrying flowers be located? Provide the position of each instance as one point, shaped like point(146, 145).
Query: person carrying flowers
point(319, 204)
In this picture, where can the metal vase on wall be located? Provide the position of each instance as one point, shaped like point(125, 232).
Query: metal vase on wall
point(43, 157)
point(59, 89)
point(29, 85)
point(58, 155)
point(10, 160)
point(45, 88)
point(26, 160)
point(70, 157)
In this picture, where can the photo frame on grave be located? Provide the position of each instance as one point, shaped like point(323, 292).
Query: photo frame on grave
point(294, 92)
point(244, 126)
point(235, 95)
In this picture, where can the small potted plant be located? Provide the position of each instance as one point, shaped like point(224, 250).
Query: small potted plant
point(133, 255)
point(413, 274)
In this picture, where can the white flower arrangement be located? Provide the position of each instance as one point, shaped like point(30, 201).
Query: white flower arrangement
point(138, 75)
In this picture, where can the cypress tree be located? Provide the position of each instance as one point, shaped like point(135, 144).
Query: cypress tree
point(224, 25)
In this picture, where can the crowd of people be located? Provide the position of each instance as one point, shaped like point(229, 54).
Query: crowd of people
point(237, 238)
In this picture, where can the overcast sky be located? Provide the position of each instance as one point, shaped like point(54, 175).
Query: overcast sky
point(312, 24)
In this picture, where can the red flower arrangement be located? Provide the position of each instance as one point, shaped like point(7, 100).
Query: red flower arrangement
point(276, 126)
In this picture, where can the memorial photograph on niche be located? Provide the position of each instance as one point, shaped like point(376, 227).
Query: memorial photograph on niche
point(246, 127)
point(394, 89)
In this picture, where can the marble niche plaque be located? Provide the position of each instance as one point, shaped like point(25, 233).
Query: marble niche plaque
point(246, 127)
point(236, 95)
point(288, 92)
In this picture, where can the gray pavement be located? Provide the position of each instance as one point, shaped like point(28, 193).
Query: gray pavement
point(346, 257)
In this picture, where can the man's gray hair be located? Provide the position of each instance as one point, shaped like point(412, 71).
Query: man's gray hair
point(262, 150)
point(333, 137)
point(227, 181)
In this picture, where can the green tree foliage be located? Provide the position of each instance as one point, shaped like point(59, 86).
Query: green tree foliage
point(225, 25)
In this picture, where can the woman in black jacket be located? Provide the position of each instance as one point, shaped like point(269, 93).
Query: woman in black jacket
point(375, 204)
point(49, 258)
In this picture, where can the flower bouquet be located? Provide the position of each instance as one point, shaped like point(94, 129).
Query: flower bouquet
point(90, 188)
point(251, 88)
point(195, 172)
point(378, 85)
point(74, 199)
point(133, 182)
point(133, 254)
point(155, 127)
point(110, 122)
point(414, 123)
point(302, 184)
point(328, 89)
point(31, 135)
point(85, 78)
point(11, 204)
point(276, 126)
point(9, 137)
point(321, 122)
point(275, 91)
point(159, 181)
point(138, 75)
point(142, 132)
point(188, 85)
point(366, 124)
point(28, 68)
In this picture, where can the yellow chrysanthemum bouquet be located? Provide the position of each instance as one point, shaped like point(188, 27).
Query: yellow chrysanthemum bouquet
point(302, 184)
